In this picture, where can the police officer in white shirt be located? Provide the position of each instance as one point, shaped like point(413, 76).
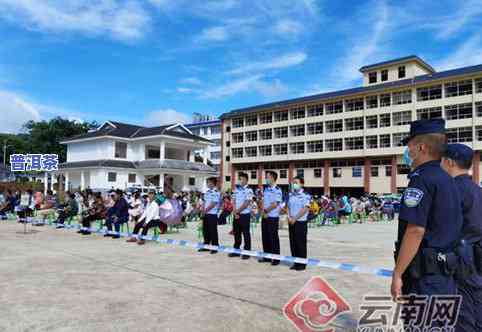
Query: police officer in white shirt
point(298, 207)
point(212, 204)
point(242, 214)
point(272, 198)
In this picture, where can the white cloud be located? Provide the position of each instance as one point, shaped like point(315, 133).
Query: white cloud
point(469, 53)
point(165, 116)
point(284, 61)
point(191, 81)
point(120, 20)
point(288, 28)
point(184, 90)
point(15, 111)
point(449, 26)
point(214, 34)
point(253, 83)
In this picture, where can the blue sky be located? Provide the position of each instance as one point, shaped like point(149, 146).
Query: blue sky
point(153, 62)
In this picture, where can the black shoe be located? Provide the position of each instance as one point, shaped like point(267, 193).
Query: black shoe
point(232, 254)
point(298, 267)
point(80, 232)
point(202, 250)
point(116, 236)
point(212, 252)
point(264, 260)
point(275, 262)
point(108, 235)
point(86, 233)
point(245, 257)
point(60, 226)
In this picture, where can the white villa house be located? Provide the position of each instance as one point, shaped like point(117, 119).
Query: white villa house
point(119, 155)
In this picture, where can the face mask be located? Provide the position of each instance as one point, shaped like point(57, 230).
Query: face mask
point(407, 160)
point(296, 186)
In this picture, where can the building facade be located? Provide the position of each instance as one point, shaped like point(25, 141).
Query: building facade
point(119, 155)
point(350, 140)
point(208, 128)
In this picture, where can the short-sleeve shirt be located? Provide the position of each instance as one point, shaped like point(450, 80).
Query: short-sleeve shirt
point(272, 194)
point(241, 195)
point(432, 201)
point(212, 196)
point(298, 200)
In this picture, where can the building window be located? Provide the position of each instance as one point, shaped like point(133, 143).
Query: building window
point(281, 116)
point(317, 172)
point(298, 130)
point(354, 105)
point(228, 158)
point(112, 177)
point(459, 135)
point(215, 130)
point(385, 100)
point(254, 174)
point(384, 75)
point(131, 178)
point(281, 132)
point(402, 118)
point(356, 172)
point(372, 121)
point(478, 108)
point(120, 150)
point(478, 133)
point(374, 171)
point(397, 139)
point(315, 128)
point(354, 143)
point(196, 131)
point(250, 151)
point(354, 123)
point(283, 174)
point(334, 126)
point(300, 172)
point(384, 120)
point(401, 72)
point(266, 134)
point(297, 148)
point(459, 88)
point(228, 144)
point(266, 118)
point(372, 77)
point(388, 170)
point(385, 141)
point(337, 172)
point(402, 97)
point(314, 146)
point(429, 113)
point(372, 101)
point(478, 85)
point(227, 178)
point(251, 120)
point(403, 169)
point(265, 150)
point(315, 110)
point(429, 93)
point(237, 152)
point(251, 136)
point(238, 123)
point(333, 108)
point(372, 142)
point(335, 144)
point(280, 149)
point(237, 137)
point(228, 129)
point(459, 111)
point(297, 113)
point(215, 155)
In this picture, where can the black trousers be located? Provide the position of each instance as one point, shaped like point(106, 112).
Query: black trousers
point(269, 232)
point(241, 228)
point(145, 228)
point(210, 229)
point(298, 237)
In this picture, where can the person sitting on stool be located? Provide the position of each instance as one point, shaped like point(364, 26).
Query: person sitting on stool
point(298, 206)
point(212, 203)
point(149, 219)
point(95, 212)
point(118, 214)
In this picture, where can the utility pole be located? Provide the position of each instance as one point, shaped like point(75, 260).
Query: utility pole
point(5, 153)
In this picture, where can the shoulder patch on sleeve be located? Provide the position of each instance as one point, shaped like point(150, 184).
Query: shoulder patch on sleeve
point(412, 197)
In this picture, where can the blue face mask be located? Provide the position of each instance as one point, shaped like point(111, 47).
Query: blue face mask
point(406, 158)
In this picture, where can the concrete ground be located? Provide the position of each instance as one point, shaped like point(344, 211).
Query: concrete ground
point(57, 280)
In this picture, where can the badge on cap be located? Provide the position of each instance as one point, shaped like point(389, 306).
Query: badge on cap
point(412, 197)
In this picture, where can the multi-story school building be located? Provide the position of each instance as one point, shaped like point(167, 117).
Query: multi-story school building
point(350, 140)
